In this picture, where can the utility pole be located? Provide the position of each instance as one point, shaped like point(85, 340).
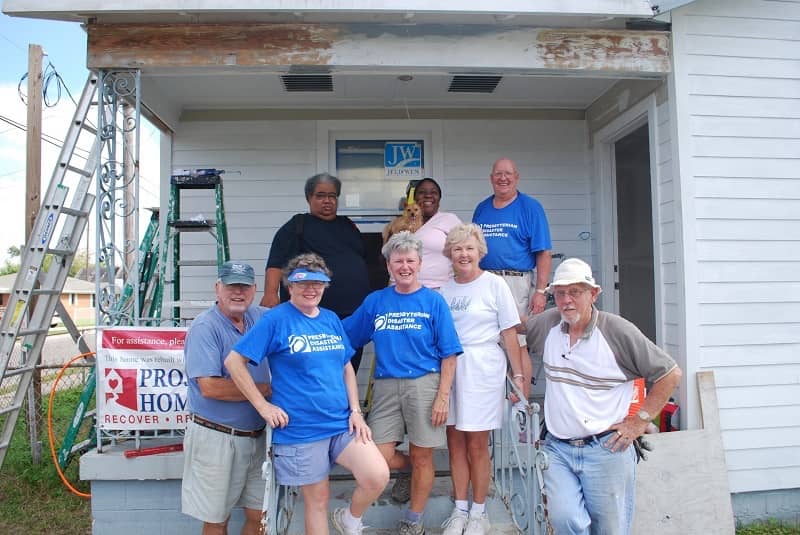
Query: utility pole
point(33, 193)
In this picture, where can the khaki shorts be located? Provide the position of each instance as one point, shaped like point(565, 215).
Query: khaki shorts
point(400, 405)
point(220, 472)
point(522, 290)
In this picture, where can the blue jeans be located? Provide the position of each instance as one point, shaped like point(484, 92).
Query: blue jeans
point(589, 489)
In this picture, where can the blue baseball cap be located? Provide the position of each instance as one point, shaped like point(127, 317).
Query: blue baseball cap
point(302, 275)
point(236, 273)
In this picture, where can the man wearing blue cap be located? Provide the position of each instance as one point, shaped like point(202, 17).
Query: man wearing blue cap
point(223, 446)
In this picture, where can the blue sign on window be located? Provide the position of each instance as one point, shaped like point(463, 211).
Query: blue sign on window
point(402, 159)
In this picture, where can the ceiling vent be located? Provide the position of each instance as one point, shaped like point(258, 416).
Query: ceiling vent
point(305, 83)
point(473, 84)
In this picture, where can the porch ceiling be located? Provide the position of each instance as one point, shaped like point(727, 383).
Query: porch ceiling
point(235, 89)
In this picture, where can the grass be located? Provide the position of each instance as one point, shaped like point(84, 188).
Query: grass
point(33, 500)
point(770, 527)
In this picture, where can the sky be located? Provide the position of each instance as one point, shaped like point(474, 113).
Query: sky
point(64, 45)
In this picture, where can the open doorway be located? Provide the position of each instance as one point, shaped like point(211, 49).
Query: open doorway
point(634, 268)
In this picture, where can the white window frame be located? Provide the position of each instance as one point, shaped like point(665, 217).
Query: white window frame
point(428, 130)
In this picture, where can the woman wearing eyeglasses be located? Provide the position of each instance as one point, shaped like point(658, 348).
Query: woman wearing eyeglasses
point(332, 236)
point(314, 408)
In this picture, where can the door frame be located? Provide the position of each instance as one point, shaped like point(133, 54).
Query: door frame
point(603, 141)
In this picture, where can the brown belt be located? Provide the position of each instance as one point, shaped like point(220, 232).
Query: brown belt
point(509, 272)
point(583, 441)
point(199, 420)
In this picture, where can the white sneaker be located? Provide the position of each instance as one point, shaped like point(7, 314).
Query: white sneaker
point(337, 518)
point(456, 523)
point(477, 525)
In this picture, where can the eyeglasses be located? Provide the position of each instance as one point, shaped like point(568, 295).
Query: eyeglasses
point(314, 285)
point(573, 293)
point(323, 196)
point(421, 192)
point(502, 174)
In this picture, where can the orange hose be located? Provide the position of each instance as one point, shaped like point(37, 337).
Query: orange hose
point(61, 475)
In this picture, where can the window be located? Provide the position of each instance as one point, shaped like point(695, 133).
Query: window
point(377, 171)
point(93, 301)
point(376, 159)
point(73, 299)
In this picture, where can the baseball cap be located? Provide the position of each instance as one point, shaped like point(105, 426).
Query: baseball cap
point(573, 271)
point(302, 275)
point(236, 273)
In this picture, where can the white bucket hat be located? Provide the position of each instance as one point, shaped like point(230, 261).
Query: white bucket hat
point(573, 271)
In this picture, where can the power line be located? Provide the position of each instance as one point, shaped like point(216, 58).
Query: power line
point(45, 137)
point(51, 81)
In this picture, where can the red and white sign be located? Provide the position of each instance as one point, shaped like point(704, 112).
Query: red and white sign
point(141, 380)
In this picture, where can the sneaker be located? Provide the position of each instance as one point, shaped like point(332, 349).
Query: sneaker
point(408, 528)
point(477, 525)
point(456, 523)
point(401, 490)
point(337, 518)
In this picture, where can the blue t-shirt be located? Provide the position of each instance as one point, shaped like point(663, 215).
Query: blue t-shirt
point(307, 358)
point(412, 332)
point(209, 340)
point(514, 234)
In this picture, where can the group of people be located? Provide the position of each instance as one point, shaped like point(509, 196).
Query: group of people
point(465, 303)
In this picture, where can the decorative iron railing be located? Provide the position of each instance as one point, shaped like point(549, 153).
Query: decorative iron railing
point(517, 464)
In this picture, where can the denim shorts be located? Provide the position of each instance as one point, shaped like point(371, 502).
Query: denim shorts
point(310, 462)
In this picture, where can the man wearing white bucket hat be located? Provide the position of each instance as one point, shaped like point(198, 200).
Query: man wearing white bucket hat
point(591, 359)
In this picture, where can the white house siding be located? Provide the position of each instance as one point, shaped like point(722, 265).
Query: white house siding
point(737, 85)
point(672, 321)
point(267, 162)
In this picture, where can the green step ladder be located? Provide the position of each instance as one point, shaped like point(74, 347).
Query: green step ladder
point(200, 179)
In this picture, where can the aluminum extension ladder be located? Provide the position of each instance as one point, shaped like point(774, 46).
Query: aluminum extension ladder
point(148, 291)
point(200, 179)
point(37, 291)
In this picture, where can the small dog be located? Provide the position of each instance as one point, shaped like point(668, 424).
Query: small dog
point(410, 219)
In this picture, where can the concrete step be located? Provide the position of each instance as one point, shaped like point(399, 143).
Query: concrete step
point(384, 515)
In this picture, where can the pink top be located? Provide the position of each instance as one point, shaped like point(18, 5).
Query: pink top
point(436, 268)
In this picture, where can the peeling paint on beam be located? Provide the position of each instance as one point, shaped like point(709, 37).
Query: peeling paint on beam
point(604, 50)
point(377, 47)
point(192, 45)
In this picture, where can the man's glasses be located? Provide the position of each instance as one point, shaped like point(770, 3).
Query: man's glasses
point(573, 293)
point(502, 174)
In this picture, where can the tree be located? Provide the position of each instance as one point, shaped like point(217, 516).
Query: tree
point(80, 262)
point(10, 266)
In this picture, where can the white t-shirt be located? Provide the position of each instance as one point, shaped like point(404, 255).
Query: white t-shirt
point(481, 309)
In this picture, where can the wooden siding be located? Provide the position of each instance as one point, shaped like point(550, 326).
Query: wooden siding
point(737, 74)
point(671, 318)
point(267, 162)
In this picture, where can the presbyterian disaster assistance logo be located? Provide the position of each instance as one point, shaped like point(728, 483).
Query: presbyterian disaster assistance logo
point(400, 321)
point(310, 343)
point(298, 344)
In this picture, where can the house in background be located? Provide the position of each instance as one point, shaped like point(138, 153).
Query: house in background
point(78, 296)
point(666, 152)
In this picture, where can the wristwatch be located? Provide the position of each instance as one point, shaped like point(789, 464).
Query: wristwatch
point(644, 416)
